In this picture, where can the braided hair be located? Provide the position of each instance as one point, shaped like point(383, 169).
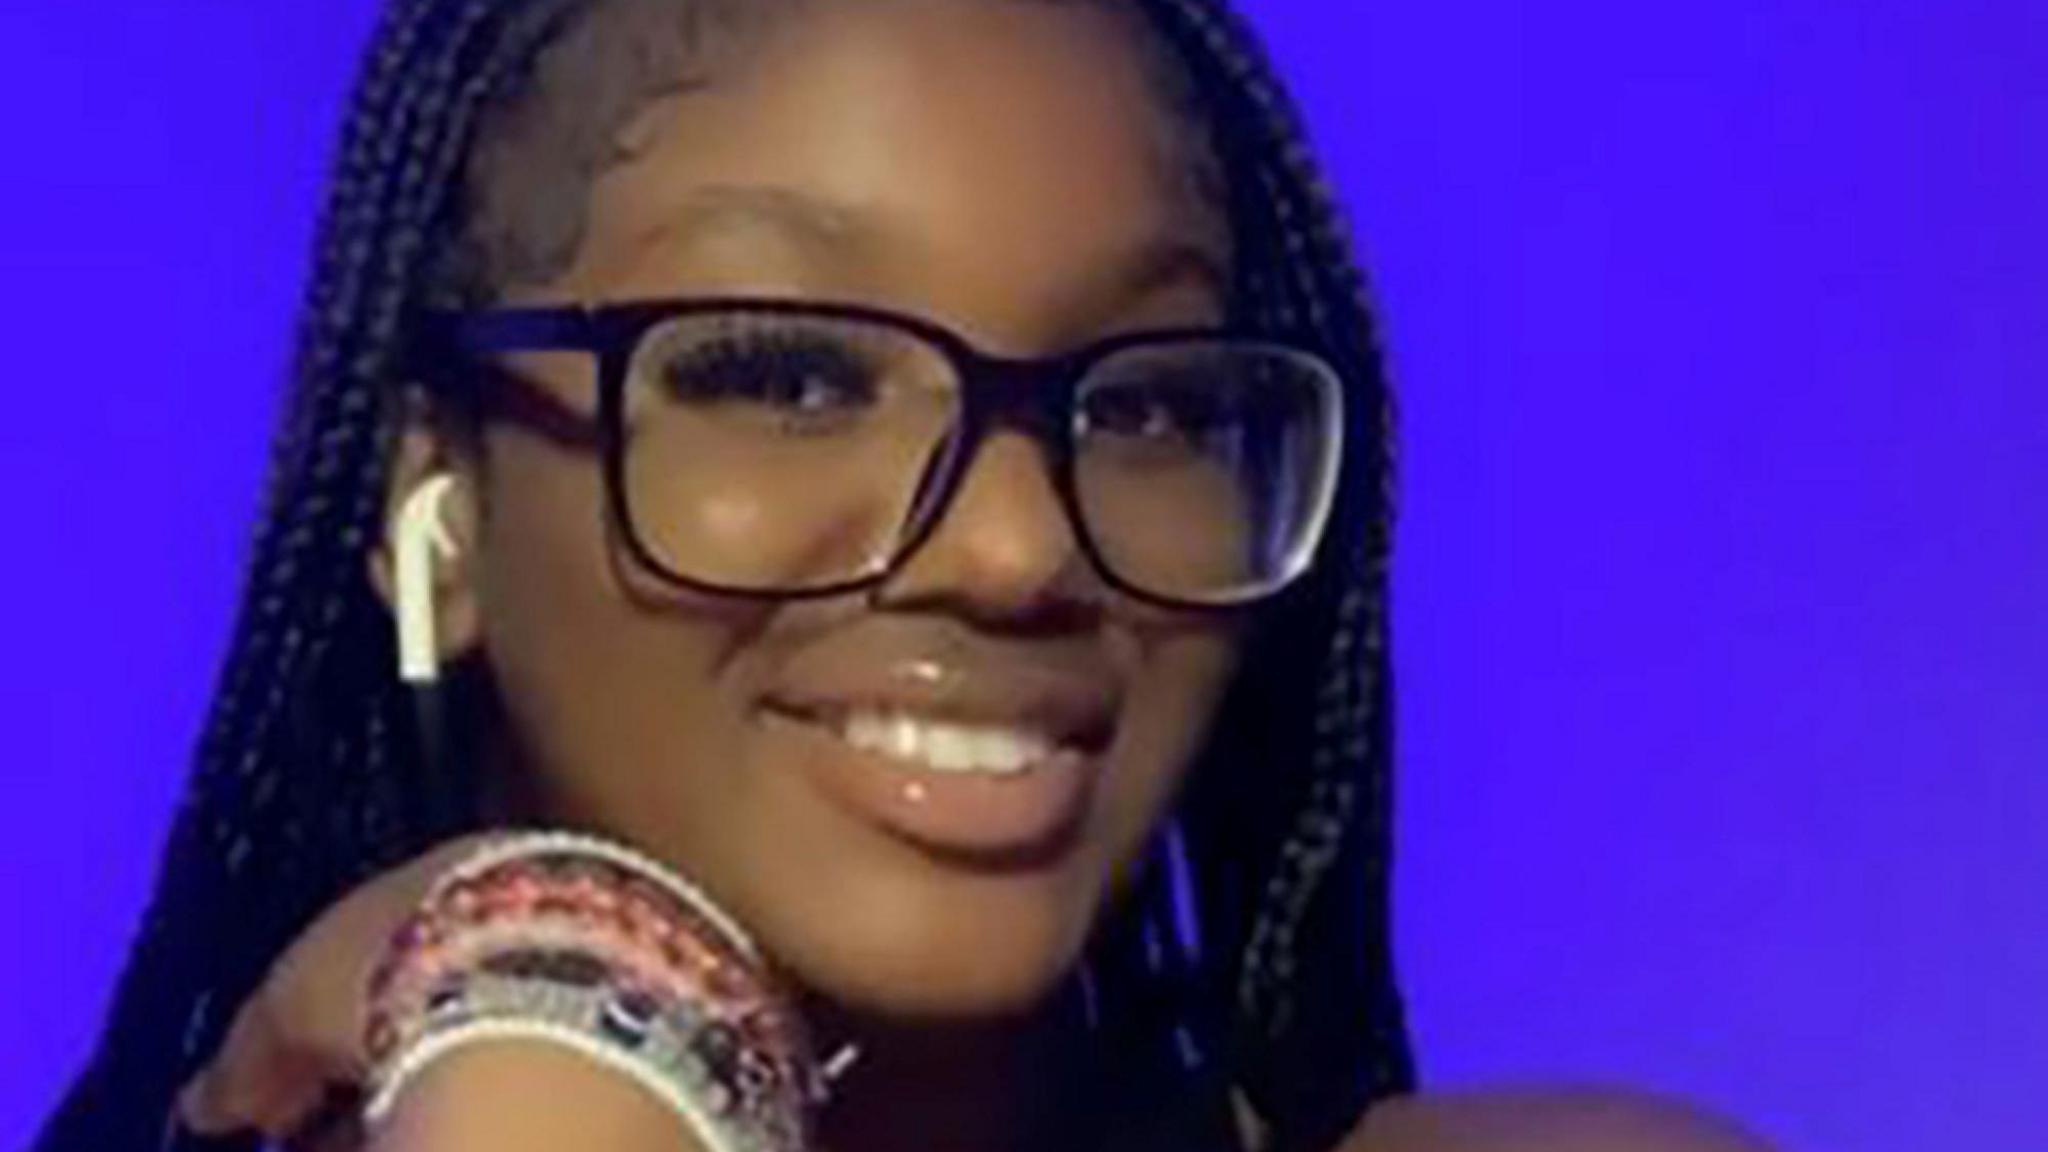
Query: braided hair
point(1253, 957)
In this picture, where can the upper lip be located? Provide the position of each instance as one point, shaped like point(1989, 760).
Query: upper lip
point(1074, 702)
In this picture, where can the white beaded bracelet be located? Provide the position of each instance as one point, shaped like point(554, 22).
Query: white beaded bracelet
point(479, 1033)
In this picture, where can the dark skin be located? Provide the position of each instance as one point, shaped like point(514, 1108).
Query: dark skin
point(977, 167)
point(994, 167)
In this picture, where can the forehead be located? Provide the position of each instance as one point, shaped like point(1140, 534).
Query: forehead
point(960, 156)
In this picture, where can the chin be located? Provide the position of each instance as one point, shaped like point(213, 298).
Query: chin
point(959, 950)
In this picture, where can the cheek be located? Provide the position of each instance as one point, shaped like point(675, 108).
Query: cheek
point(725, 503)
point(612, 693)
point(1179, 684)
point(1192, 522)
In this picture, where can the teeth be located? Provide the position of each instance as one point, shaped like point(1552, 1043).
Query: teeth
point(944, 746)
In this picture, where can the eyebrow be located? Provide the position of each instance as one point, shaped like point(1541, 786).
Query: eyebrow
point(782, 209)
point(1158, 261)
point(1161, 262)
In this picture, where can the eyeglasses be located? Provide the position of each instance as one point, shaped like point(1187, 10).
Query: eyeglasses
point(771, 448)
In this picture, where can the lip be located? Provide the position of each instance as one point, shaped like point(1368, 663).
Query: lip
point(1073, 726)
point(1022, 820)
point(1076, 707)
point(1019, 820)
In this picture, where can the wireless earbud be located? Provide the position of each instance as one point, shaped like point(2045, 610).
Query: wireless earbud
point(419, 537)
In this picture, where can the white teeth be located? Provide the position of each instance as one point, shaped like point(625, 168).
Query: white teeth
point(903, 738)
point(1003, 753)
point(944, 746)
point(951, 749)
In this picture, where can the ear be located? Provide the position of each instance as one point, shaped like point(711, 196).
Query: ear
point(420, 454)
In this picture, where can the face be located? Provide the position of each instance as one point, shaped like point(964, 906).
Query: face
point(994, 167)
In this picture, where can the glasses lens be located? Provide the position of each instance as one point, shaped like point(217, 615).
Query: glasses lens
point(1206, 469)
point(779, 451)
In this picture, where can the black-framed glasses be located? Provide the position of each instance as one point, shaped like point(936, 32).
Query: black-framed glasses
point(774, 448)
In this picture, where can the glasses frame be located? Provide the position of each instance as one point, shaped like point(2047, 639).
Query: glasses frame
point(1031, 395)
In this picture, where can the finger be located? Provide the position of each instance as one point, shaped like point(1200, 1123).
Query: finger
point(302, 1029)
point(198, 1110)
point(280, 1107)
point(292, 1102)
point(256, 1081)
point(217, 1099)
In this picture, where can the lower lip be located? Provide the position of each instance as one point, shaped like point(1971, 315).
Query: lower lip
point(969, 815)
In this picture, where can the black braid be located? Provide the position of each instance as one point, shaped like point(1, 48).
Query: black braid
point(1319, 1027)
point(309, 761)
point(215, 923)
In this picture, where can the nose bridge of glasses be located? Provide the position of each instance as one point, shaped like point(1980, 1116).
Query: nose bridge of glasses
point(1030, 396)
point(1014, 409)
point(1008, 445)
point(998, 520)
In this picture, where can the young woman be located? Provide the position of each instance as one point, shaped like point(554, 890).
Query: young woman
point(913, 468)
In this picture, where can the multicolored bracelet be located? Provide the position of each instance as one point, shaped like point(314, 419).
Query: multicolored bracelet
point(568, 940)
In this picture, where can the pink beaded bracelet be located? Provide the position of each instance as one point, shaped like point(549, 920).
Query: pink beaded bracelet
point(563, 939)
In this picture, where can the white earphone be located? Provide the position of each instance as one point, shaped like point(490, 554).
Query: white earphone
point(418, 538)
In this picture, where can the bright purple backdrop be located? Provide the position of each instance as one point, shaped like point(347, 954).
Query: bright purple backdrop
point(1723, 586)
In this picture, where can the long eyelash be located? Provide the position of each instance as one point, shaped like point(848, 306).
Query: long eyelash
point(729, 364)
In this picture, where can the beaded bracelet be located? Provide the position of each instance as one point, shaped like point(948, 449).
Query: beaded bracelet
point(705, 1072)
point(526, 847)
point(576, 942)
point(532, 888)
point(517, 907)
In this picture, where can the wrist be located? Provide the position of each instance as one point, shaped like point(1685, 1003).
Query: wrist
point(515, 1096)
point(576, 945)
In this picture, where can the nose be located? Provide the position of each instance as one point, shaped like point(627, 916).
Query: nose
point(1004, 550)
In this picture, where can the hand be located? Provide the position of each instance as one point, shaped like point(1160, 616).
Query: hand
point(299, 1036)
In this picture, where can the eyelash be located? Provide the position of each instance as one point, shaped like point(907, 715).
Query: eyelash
point(779, 373)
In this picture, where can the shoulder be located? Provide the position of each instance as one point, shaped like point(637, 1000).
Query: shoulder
point(1570, 1120)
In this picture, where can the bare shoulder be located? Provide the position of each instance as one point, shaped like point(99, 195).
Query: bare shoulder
point(1568, 1120)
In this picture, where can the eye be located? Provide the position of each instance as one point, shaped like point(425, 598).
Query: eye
point(1161, 409)
point(800, 382)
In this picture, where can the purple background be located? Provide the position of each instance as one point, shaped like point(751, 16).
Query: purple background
point(1723, 584)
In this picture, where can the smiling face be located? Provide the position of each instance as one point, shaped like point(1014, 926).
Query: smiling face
point(997, 168)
